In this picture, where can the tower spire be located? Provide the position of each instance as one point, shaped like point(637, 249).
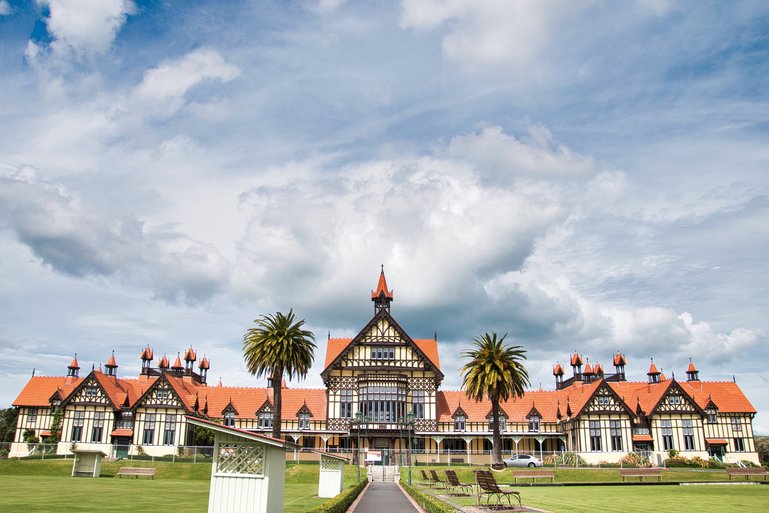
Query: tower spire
point(382, 296)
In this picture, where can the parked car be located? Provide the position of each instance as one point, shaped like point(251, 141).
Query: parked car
point(522, 460)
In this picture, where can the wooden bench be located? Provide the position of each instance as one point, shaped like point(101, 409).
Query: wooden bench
point(534, 475)
point(488, 486)
point(136, 472)
point(641, 473)
point(747, 472)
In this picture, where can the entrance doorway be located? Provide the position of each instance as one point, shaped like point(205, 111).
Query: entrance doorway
point(385, 447)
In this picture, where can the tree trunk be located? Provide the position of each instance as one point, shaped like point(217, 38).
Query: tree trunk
point(496, 449)
point(277, 397)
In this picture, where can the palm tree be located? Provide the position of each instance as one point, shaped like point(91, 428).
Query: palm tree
point(278, 345)
point(495, 371)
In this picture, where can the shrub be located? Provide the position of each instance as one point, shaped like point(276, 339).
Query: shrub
point(567, 459)
point(634, 459)
point(341, 502)
point(429, 503)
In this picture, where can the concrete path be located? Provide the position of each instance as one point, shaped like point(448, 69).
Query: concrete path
point(384, 497)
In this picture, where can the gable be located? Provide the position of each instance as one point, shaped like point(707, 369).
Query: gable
point(89, 391)
point(605, 400)
point(160, 394)
point(382, 344)
point(676, 400)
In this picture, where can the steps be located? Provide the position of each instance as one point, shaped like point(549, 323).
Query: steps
point(387, 473)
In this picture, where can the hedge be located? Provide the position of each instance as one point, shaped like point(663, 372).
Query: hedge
point(429, 503)
point(341, 502)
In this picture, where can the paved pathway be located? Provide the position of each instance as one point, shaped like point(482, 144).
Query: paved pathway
point(384, 497)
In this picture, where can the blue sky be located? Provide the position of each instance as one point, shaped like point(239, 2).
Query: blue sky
point(585, 176)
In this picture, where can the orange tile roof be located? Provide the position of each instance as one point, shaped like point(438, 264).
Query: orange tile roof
point(726, 395)
point(576, 359)
point(643, 438)
point(716, 441)
point(74, 364)
point(588, 369)
point(691, 367)
point(122, 432)
point(177, 363)
point(429, 346)
point(111, 362)
point(163, 364)
point(619, 359)
point(558, 370)
point(653, 369)
point(247, 400)
point(146, 353)
point(39, 389)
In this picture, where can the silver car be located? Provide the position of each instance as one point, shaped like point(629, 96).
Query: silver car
point(522, 460)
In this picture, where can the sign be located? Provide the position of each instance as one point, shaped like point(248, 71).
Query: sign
point(374, 456)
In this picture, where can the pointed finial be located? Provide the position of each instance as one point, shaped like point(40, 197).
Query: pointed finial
point(382, 267)
point(329, 334)
point(734, 378)
point(33, 372)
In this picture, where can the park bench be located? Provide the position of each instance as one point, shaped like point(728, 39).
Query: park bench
point(488, 486)
point(453, 483)
point(534, 475)
point(641, 473)
point(747, 472)
point(136, 472)
point(425, 478)
point(437, 481)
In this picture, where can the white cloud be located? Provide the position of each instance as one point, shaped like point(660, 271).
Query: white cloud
point(162, 90)
point(85, 28)
point(491, 32)
point(5, 8)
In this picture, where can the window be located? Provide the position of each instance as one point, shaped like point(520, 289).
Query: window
point(667, 435)
point(502, 423)
point(459, 423)
point(739, 445)
point(78, 418)
point(676, 399)
point(712, 416)
point(32, 416)
point(229, 418)
point(98, 427)
point(304, 421)
point(148, 438)
point(454, 445)
point(534, 423)
point(383, 353)
point(126, 420)
point(594, 427)
point(615, 430)
point(345, 409)
point(688, 431)
point(736, 425)
point(162, 394)
point(91, 392)
point(418, 404)
point(603, 400)
point(383, 401)
point(419, 445)
point(265, 420)
point(169, 433)
point(308, 442)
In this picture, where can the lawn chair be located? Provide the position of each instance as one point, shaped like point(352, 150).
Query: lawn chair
point(487, 485)
point(425, 478)
point(452, 482)
point(437, 481)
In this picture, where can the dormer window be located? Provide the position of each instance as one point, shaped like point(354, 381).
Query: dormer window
point(502, 423)
point(603, 400)
point(229, 418)
point(712, 415)
point(534, 423)
point(383, 353)
point(91, 392)
point(265, 420)
point(162, 394)
point(304, 421)
point(459, 423)
point(676, 399)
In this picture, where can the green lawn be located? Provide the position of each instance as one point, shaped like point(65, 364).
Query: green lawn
point(46, 487)
point(704, 498)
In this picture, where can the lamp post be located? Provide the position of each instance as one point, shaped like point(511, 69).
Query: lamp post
point(410, 456)
point(400, 441)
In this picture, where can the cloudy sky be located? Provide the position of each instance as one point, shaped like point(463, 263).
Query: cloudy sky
point(584, 176)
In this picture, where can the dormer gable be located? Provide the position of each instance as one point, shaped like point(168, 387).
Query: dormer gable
point(304, 410)
point(676, 400)
point(604, 399)
point(266, 407)
point(230, 408)
point(160, 394)
point(89, 391)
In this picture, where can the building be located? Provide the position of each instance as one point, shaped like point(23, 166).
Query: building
point(375, 382)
